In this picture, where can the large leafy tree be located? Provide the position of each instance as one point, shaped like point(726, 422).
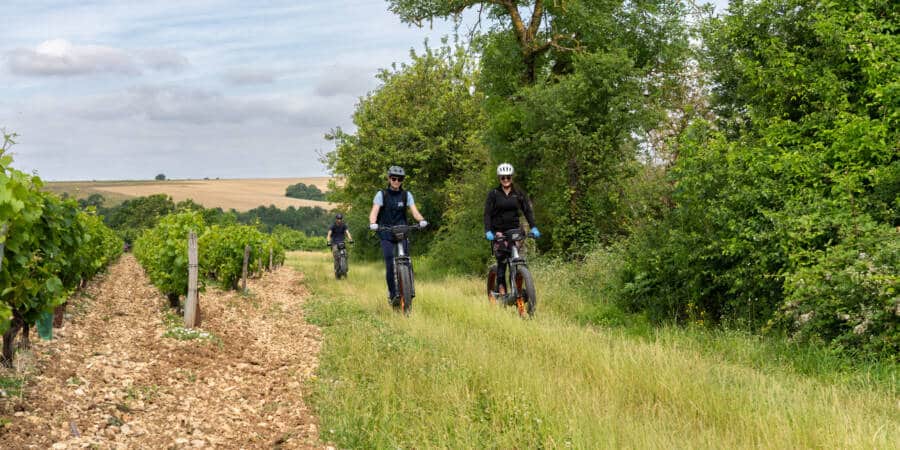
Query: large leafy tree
point(571, 88)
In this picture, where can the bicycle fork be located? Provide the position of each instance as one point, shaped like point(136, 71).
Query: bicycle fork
point(515, 262)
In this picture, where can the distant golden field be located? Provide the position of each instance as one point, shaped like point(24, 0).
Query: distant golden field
point(240, 194)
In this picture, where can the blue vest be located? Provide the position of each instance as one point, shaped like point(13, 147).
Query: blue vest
point(393, 209)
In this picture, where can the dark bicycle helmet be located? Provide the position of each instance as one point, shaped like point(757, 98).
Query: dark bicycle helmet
point(339, 217)
point(396, 171)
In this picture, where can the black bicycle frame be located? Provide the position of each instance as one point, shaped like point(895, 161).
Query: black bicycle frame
point(513, 263)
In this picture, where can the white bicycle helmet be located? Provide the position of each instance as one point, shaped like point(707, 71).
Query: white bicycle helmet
point(505, 169)
point(396, 171)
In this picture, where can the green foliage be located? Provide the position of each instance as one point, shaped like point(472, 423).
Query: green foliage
point(163, 251)
point(570, 91)
point(139, 213)
point(776, 202)
point(312, 221)
point(49, 246)
point(422, 118)
point(222, 252)
point(301, 190)
point(291, 239)
point(460, 246)
point(160, 177)
point(573, 133)
point(94, 200)
point(850, 295)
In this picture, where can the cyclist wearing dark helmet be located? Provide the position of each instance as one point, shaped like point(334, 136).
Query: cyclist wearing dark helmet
point(501, 213)
point(337, 232)
point(388, 209)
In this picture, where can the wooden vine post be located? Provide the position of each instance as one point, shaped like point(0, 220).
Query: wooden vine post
point(191, 304)
point(270, 259)
point(244, 272)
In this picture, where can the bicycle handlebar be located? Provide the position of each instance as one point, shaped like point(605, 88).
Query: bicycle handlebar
point(513, 235)
point(399, 228)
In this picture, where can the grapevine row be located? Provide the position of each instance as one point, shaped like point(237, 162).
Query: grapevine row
point(49, 247)
point(162, 251)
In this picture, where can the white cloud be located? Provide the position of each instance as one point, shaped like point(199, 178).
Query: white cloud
point(59, 57)
point(194, 106)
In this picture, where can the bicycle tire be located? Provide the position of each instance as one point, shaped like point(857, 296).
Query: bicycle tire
point(492, 284)
point(527, 300)
point(405, 287)
point(343, 266)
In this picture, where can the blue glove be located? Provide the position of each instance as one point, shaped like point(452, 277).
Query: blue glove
point(535, 232)
point(489, 235)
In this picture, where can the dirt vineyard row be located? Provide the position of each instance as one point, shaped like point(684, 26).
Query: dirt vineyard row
point(113, 379)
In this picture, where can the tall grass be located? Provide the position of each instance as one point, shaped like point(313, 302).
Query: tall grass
point(459, 373)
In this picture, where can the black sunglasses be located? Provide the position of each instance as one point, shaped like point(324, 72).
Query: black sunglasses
point(396, 178)
point(506, 177)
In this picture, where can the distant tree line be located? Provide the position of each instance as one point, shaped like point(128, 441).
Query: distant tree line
point(304, 191)
point(133, 216)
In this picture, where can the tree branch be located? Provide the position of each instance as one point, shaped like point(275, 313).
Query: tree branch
point(555, 43)
point(535, 19)
point(518, 25)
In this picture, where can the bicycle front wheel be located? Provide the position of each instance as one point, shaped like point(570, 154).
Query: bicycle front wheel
point(405, 287)
point(527, 298)
point(343, 266)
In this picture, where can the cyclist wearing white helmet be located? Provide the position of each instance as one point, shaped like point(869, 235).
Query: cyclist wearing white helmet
point(501, 213)
point(388, 209)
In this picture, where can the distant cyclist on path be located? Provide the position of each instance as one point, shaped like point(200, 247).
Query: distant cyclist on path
point(337, 232)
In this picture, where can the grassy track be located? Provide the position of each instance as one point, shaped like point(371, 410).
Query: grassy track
point(459, 373)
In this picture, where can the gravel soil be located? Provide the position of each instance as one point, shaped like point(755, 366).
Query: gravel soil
point(122, 374)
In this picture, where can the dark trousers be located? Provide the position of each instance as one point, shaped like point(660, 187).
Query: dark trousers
point(387, 249)
point(334, 254)
point(502, 253)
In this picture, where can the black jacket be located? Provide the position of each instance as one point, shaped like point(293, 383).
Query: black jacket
point(501, 211)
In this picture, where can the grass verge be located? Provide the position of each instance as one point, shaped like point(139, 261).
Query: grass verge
point(459, 373)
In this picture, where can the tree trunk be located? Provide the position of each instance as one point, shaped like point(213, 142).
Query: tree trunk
point(6, 359)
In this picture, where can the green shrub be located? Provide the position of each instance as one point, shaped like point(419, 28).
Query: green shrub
point(291, 239)
point(850, 296)
point(162, 251)
point(301, 190)
point(222, 252)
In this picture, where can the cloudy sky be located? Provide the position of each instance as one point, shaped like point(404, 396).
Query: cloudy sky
point(109, 89)
point(112, 89)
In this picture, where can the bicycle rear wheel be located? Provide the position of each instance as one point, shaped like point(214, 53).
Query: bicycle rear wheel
point(405, 287)
point(527, 298)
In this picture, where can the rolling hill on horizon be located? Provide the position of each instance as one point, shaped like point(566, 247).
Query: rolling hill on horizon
point(241, 194)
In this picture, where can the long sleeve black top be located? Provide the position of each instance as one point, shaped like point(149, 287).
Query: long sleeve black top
point(501, 211)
